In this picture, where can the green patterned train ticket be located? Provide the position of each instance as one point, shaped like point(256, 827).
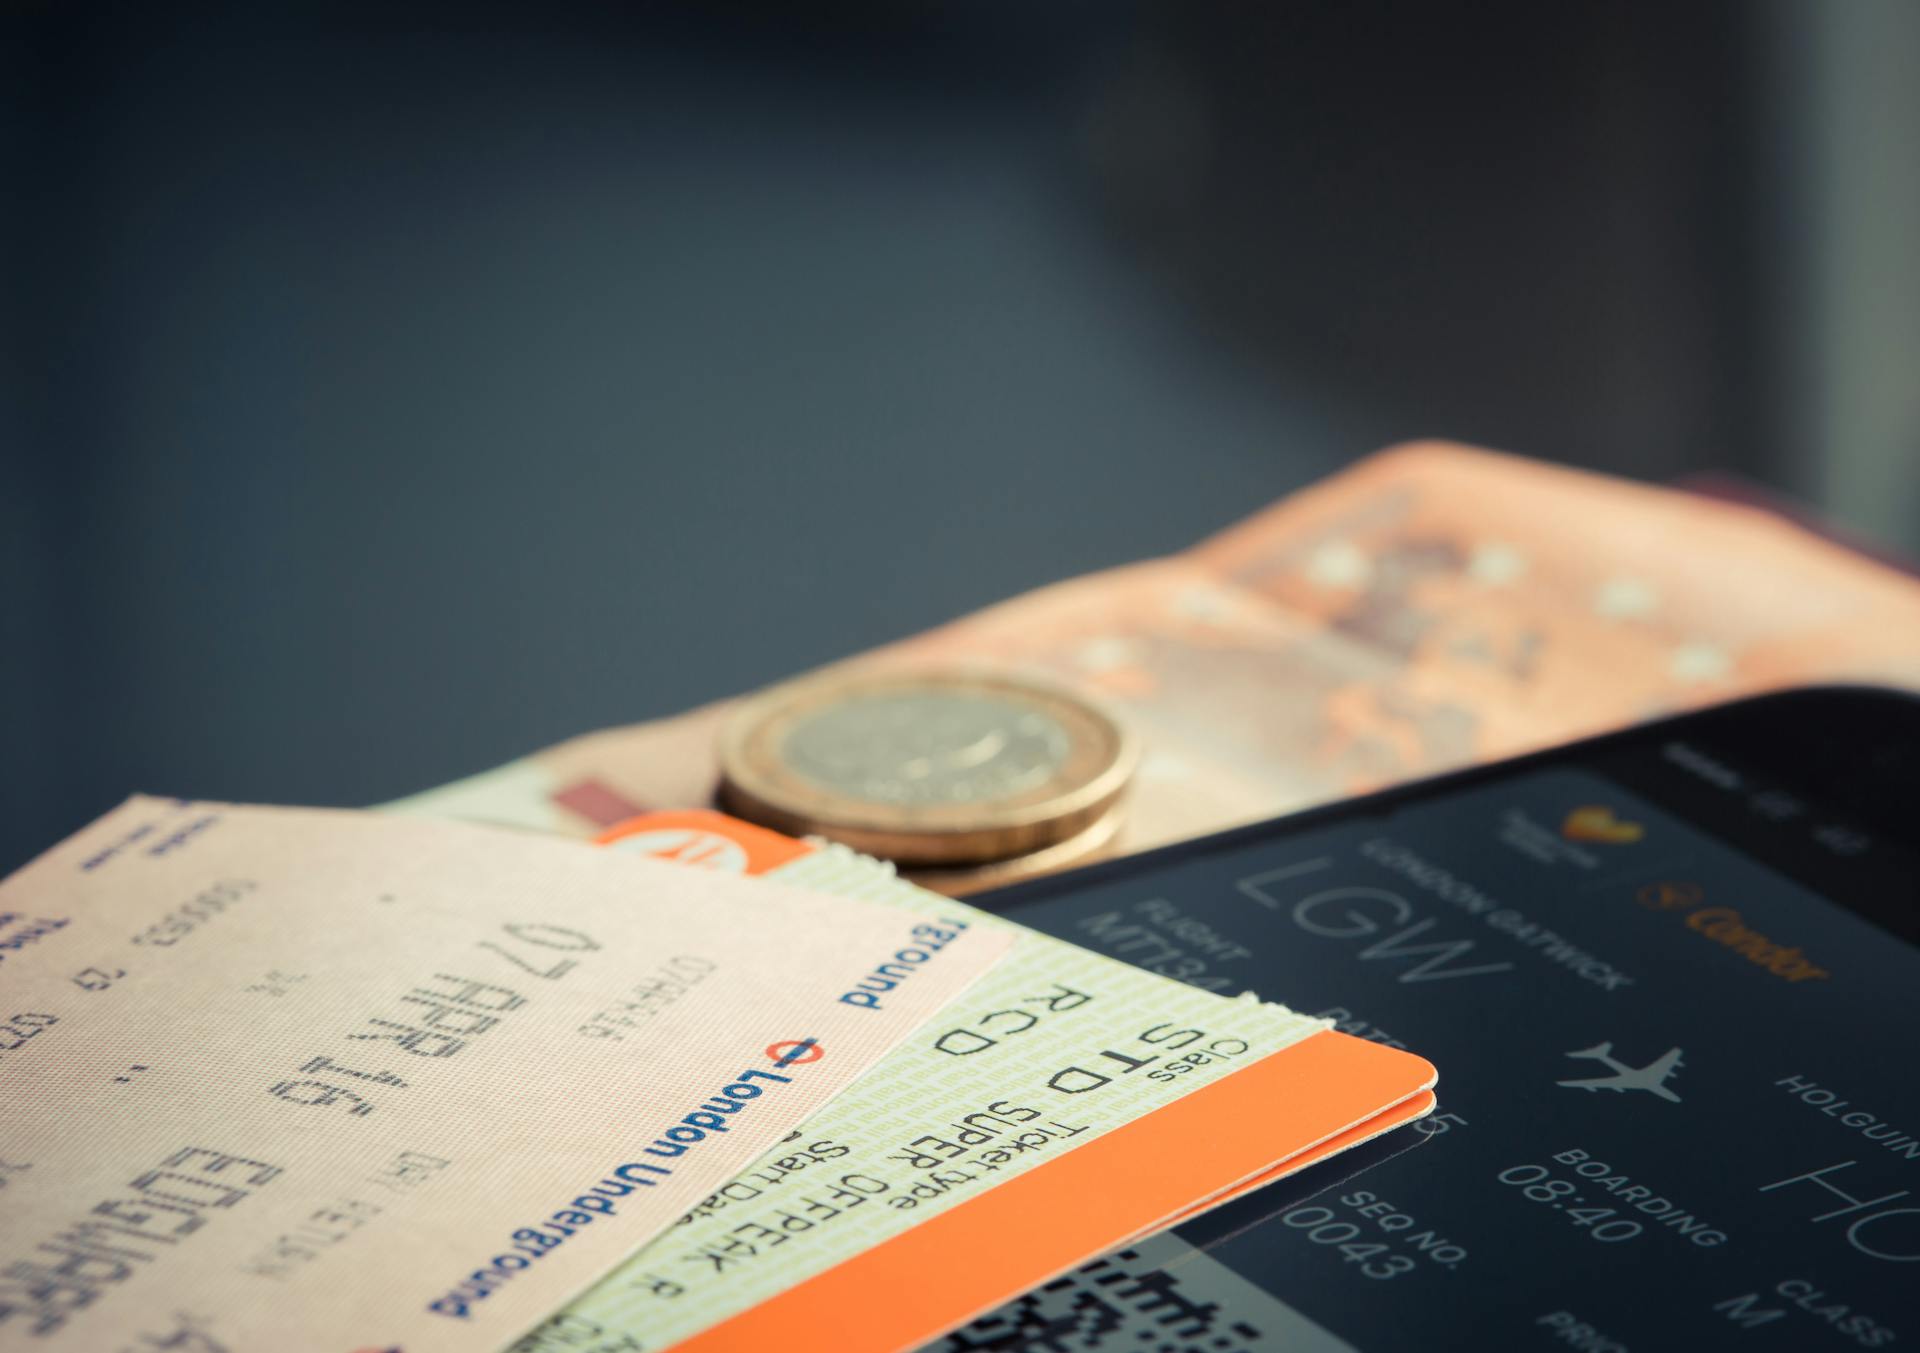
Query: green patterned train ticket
point(1054, 1047)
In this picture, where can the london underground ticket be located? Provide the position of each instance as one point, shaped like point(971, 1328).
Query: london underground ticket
point(304, 1078)
point(1065, 1104)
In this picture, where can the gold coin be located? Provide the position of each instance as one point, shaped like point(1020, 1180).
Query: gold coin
point(964, 880)
point(925, 767)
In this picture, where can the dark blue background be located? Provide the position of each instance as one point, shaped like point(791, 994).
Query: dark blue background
point(392, 389)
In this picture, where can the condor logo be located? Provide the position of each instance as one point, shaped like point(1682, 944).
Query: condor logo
point(1726, 927)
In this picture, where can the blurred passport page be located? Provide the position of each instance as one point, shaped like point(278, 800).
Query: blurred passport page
point(1065, 1105)
point(301, 1078)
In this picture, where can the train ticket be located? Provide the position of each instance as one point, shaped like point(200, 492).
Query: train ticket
point(280, 1077)
point(1054, 1050)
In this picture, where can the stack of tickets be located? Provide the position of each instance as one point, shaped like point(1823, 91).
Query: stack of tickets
point(285, 1078)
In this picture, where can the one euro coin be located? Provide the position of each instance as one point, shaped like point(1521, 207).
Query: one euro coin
point(926, 767)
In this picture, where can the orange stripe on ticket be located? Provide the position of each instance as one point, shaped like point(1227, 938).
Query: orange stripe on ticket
point(1379, 1125)
point(700, 836)
point(1115, 1189)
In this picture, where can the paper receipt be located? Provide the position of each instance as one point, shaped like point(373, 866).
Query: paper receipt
point(278, 1078)
point(1052, 1049)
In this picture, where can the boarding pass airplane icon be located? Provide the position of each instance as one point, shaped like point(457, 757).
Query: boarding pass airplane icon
point(1652, 1077)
